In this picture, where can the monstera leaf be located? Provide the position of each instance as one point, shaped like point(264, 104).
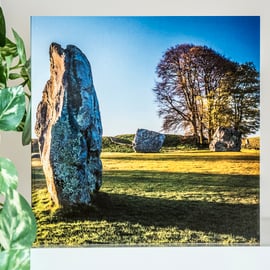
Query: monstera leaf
point(8, 175)
point(15, 259)
point(12, 107)
point(17, 222)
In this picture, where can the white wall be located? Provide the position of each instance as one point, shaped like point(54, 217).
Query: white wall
point(18, 12)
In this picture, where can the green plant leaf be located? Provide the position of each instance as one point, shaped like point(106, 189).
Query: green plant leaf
point(26, 135)
point(20, 47)
point(12, 107)
point(8, 175)
point(7, 66)
point(14, 76)
point(3, 78)
point(15, 259)
point(2, 29)
point(26, 74)
point(17, 222)
point(10, 48)
point(27, 69)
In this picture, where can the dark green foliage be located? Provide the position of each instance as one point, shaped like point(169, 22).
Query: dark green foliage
point(179, 142)
point(244, 92)
point(2, 29)
point(126, 138)
point(119, 143)
point(172, 140)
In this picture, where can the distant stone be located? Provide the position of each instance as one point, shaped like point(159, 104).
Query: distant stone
point(147, 141)
point(226, 139)
point(69, 129)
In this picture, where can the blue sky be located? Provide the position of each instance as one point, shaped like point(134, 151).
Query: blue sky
point(124, 52)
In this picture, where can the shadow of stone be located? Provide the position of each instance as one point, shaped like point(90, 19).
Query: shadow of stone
point(221, 218)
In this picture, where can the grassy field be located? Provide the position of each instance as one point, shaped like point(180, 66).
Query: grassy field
point(169, 198)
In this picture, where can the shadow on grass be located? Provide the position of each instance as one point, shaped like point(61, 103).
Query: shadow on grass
point(222, 218)
point(137, 208)
point(167, 181)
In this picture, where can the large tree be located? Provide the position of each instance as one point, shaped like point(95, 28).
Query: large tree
point(243, 88)
point(186, 92)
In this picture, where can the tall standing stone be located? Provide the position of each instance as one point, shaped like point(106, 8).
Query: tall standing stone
point(226, 140)
point(69, 129)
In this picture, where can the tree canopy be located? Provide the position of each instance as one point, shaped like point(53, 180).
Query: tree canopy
point(199, 90)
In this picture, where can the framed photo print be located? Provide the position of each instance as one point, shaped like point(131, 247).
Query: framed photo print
point(146, 130)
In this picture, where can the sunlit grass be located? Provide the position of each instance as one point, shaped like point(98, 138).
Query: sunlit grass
point(173, 198)
point(190, 161)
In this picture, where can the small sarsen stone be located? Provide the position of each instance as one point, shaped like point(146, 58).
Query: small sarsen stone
point(147, 141)
point(225, 140)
